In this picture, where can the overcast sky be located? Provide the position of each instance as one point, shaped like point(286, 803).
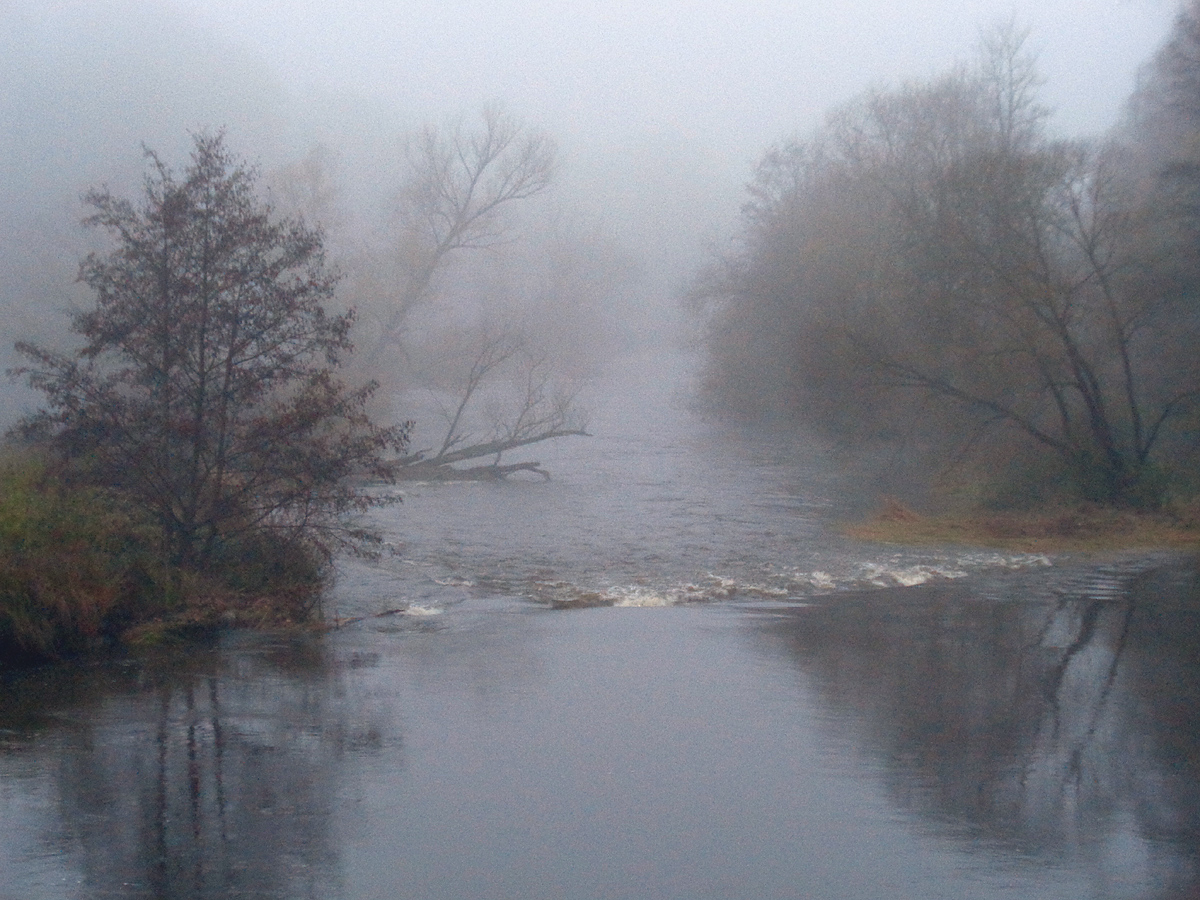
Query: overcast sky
point(730, 75)
point(660, 107)
point(717, 79)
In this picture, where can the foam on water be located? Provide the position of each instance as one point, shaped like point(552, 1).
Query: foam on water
point(640, 597)
point(432, 584)
point(453, 582)
point(564, 595)
point(658, 508)
point(903, 572)
point(788, 586)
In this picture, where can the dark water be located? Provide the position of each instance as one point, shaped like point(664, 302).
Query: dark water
point(765, 710)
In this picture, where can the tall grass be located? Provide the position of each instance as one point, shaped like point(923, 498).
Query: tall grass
point(81, 568)
point(75, 564)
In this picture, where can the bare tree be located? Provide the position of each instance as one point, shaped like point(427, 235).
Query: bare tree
point(481, 422)
point(934, 263)
point(1008, 76)
point(463, 181)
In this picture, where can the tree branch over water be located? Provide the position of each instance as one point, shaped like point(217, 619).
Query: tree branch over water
point(540, 412)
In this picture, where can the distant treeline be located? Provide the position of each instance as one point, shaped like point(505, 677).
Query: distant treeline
point(934, 269)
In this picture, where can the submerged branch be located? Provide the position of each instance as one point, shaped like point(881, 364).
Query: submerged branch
point(421, 467)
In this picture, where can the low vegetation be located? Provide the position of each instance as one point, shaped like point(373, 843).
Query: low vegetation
point(82, 569)
point(73, 565)
point(1080, 528)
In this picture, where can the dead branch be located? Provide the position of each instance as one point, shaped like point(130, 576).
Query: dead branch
point(463, 181)
point(542, 411)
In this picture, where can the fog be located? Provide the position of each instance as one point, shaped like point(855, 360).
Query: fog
point(659, 110)
point(822, 715)
point(713, 74)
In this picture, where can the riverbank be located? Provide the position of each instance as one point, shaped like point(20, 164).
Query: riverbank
point(1059, 530)
point(81, 572)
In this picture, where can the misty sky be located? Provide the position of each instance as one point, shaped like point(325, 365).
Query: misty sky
point(660, 107)
point(710, 82)
point(729, 75)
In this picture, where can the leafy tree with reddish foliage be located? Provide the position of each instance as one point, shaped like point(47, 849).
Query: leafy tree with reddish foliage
point(206, 389)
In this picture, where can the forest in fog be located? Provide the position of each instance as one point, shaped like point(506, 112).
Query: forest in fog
point(878, 288)
point(935, 269)
point(234, 305)
point(686, 448)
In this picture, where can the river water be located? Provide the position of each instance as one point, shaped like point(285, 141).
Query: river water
point(661, 674)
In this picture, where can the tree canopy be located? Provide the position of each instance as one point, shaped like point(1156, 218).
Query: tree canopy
point(934, 263)
point(206, 388)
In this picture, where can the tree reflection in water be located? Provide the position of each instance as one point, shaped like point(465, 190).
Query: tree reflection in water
point(1057, 721)
point(205, 776)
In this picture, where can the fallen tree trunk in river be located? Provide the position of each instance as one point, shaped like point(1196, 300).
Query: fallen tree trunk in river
point(434, 472)
point(441, 467)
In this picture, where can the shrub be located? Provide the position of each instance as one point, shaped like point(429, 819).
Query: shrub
point(75, 567)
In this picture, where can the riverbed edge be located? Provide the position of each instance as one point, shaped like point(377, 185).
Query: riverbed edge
point(1065, 529)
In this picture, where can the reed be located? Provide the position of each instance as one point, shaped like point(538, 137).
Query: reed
point(82, 570)
point(74, 565)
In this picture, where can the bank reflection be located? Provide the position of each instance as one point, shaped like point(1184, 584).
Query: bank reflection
point(208, 775)
point(1055, 717)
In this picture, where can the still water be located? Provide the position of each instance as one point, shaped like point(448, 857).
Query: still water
point(661, 674)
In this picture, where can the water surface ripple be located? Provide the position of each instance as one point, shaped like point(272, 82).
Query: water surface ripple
point(748, 706)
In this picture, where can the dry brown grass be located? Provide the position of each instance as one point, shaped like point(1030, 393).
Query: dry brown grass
point(1047, 531)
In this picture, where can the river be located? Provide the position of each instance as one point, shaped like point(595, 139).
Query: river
point(661, 674)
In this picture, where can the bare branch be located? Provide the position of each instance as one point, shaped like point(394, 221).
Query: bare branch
point(542, 411)
point(463, 181)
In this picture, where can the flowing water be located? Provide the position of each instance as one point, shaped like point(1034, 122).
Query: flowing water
point(661, 674)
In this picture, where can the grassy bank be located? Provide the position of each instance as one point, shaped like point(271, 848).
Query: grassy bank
point(1069, 529)
point(80, 570)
